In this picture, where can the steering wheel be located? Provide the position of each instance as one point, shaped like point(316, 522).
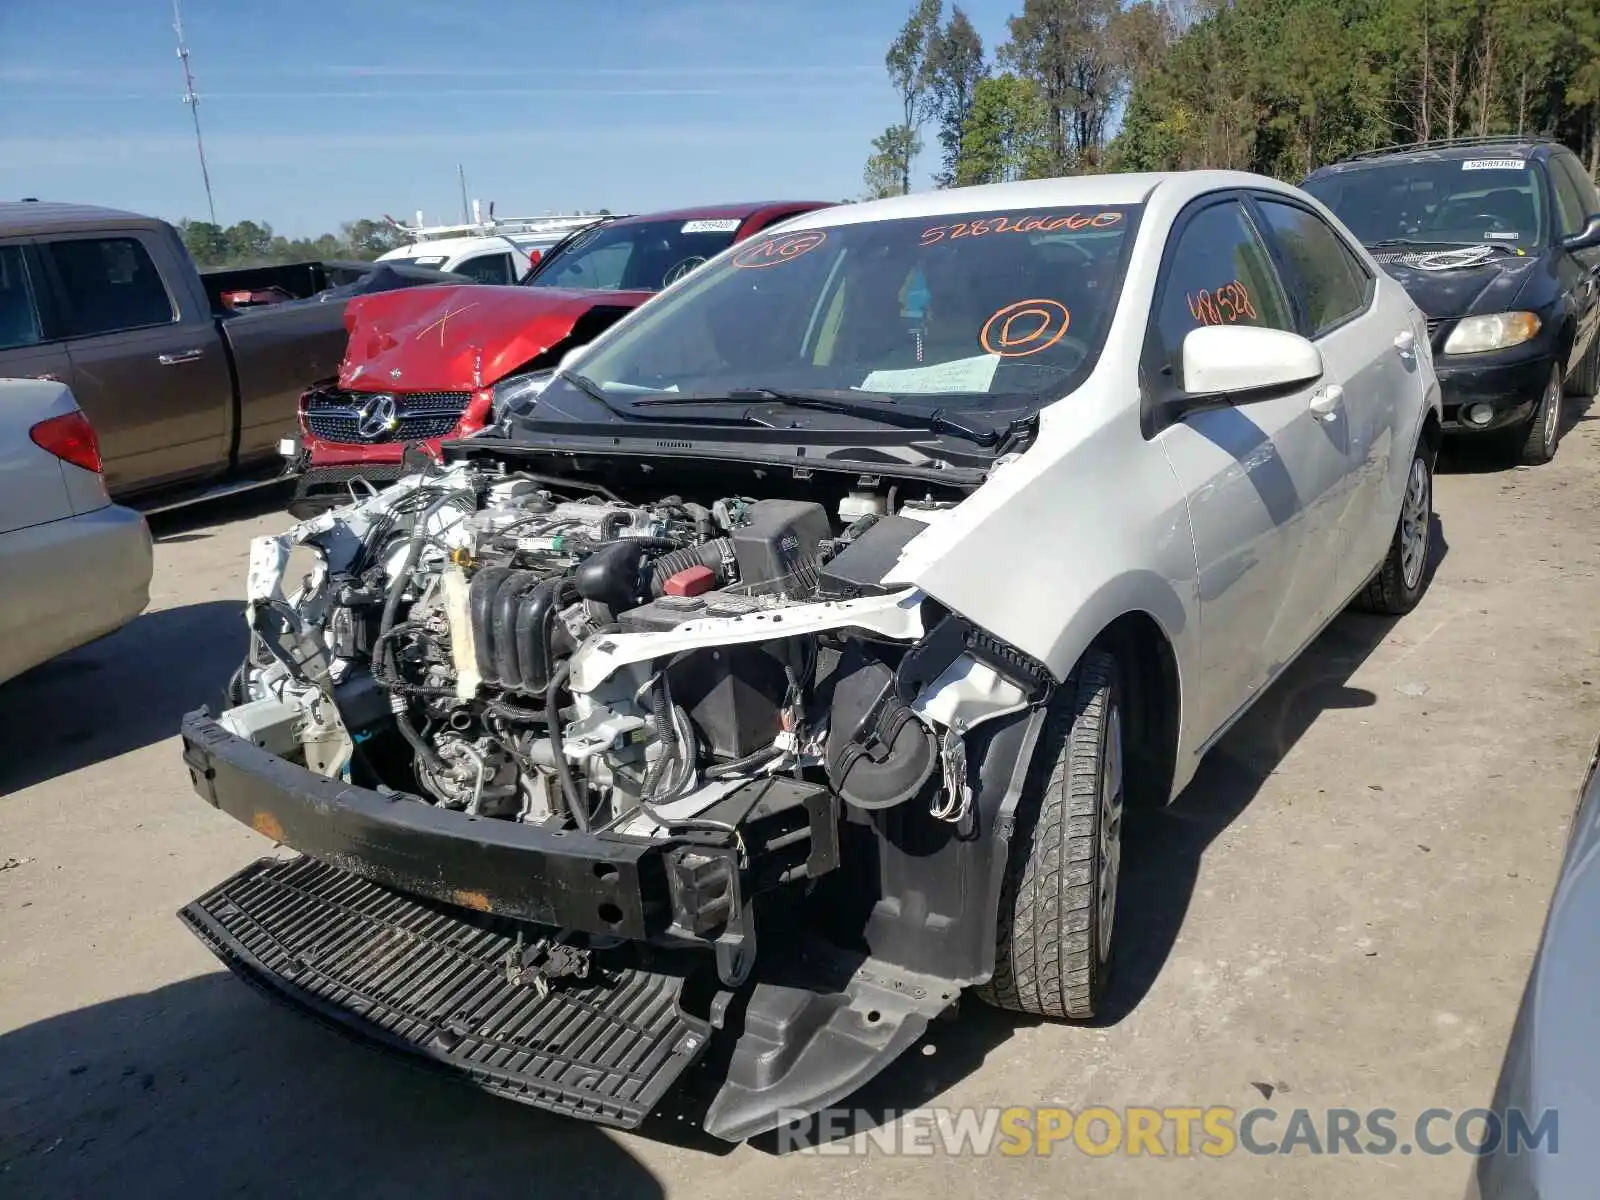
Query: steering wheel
point(1084, 255)
point(1012, 363)
point(679, 270)
point(1495, 221)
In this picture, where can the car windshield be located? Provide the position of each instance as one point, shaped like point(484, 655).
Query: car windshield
point(978, 306)
point(635, 256)
point(1458, 202)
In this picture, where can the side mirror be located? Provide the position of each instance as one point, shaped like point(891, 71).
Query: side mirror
point(1586, 238)
point(1238, 363)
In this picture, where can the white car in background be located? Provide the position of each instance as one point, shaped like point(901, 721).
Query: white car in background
point(494, 252)
point(482, 259)
point(73, 565)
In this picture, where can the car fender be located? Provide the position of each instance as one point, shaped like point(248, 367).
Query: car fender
point(1089, 525)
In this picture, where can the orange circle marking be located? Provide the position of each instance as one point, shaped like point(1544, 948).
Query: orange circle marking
point(1002, 335)
point(786, 248)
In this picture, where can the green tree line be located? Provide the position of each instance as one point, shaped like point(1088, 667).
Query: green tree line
point(252, 243)
point(1273, 86)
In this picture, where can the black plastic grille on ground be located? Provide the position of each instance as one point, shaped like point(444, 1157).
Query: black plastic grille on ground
point(336, 416)
point(423, 981)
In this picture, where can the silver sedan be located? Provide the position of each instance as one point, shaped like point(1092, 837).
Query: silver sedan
point(73, 565)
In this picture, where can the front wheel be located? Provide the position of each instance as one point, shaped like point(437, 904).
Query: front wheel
point(1398, 586)
point(1543, 432)
point(1058, 905)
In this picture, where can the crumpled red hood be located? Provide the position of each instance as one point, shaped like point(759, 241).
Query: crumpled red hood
point(460, 337)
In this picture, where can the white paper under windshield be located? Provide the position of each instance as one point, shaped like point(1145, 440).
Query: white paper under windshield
point(958, 375)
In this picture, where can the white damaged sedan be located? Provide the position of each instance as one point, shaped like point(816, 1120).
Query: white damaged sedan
point(785, 669)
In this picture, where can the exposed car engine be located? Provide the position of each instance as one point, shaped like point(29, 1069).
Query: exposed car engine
point(506, 646)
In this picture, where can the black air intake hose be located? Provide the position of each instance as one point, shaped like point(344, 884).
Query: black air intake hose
point(509, 599)
point(715, 554)
point(537, 636)
point(480, 602)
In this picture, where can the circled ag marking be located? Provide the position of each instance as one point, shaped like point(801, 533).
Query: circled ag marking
point(785, 248)
point(1025, 328)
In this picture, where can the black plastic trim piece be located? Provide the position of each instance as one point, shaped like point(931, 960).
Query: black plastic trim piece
point(439, 989)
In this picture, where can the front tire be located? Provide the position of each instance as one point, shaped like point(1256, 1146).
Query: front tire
point(1399, 584)
point(1543, 432)
point(1059, 899)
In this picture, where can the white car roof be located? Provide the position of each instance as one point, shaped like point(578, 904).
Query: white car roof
point(1070, 190)
point(445, 248)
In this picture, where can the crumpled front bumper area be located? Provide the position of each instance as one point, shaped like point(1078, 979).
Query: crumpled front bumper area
point(410, 929)
point(424, 981)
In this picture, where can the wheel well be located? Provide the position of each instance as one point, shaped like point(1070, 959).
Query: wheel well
point(1432, 433)
point(1152, 702)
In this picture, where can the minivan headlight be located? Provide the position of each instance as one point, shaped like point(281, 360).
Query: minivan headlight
point(1496, 331)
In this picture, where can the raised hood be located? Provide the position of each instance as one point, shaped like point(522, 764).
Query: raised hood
point(466, 337)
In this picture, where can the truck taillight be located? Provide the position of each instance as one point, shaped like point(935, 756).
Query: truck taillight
point(70, 438)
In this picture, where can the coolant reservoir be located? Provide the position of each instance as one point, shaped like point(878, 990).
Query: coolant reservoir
point(860, 504)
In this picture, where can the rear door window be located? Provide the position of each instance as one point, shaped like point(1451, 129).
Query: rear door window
point(1218, 273)
point(1327, 276)
point(109, 285)
point(19, 311)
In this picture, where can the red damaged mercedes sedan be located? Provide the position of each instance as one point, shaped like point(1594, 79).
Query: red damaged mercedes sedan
point(428, 364)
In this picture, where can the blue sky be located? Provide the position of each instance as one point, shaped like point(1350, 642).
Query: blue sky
point(316, 113)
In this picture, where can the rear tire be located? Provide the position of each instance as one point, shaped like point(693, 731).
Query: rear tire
point(1543, 432)
point(1399, 584)
point(1058, 902)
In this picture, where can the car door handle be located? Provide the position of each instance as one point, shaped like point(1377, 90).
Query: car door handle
point(182, 356)
point(1325, 399)
point(1405, 341)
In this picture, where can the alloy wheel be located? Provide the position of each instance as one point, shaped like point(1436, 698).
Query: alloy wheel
point(1110, 848)
point(1416, 515)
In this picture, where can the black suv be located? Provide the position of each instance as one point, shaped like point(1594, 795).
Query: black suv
point(1498, 241)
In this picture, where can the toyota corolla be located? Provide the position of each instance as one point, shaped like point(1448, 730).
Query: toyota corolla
point(785, 672)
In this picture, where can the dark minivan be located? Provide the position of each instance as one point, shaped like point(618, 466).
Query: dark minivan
point(1497, 239)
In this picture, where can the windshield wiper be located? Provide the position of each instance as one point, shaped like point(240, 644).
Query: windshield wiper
point(872, 405)
point(1452, 243)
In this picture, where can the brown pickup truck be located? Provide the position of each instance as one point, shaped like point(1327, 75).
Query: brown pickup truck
point(189, 396)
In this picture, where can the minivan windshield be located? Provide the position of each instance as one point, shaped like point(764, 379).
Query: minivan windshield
point(634, 256)
point(973, 306)
point(1455, 202)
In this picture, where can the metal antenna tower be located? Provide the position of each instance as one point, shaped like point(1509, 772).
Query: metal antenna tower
point(193, 101)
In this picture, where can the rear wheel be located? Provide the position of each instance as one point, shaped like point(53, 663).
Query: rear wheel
point(1059, 901)
point(1400, 582)
point(1543, 432)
